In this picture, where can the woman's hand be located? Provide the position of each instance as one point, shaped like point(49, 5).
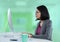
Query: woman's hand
point(30, 35)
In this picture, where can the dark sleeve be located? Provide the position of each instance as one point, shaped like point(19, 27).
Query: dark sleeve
point(48, 33)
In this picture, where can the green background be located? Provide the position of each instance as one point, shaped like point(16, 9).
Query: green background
point(23, 15)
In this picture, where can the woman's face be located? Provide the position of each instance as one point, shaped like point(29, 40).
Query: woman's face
point(38, 14)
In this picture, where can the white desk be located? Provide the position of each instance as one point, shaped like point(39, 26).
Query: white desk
point(5, 37)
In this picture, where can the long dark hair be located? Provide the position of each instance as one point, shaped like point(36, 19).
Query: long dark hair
point(44, 12)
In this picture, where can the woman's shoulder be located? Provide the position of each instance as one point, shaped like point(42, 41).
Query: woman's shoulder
point(48, 21)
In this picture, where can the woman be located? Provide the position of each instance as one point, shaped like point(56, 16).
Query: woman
point(44, 29)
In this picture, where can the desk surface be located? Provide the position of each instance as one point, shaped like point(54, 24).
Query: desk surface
point(6, 37)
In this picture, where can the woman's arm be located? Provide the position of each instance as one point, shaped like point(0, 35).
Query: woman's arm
point(48, 33)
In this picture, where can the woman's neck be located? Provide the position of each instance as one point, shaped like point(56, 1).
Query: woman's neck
point(41, 22)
